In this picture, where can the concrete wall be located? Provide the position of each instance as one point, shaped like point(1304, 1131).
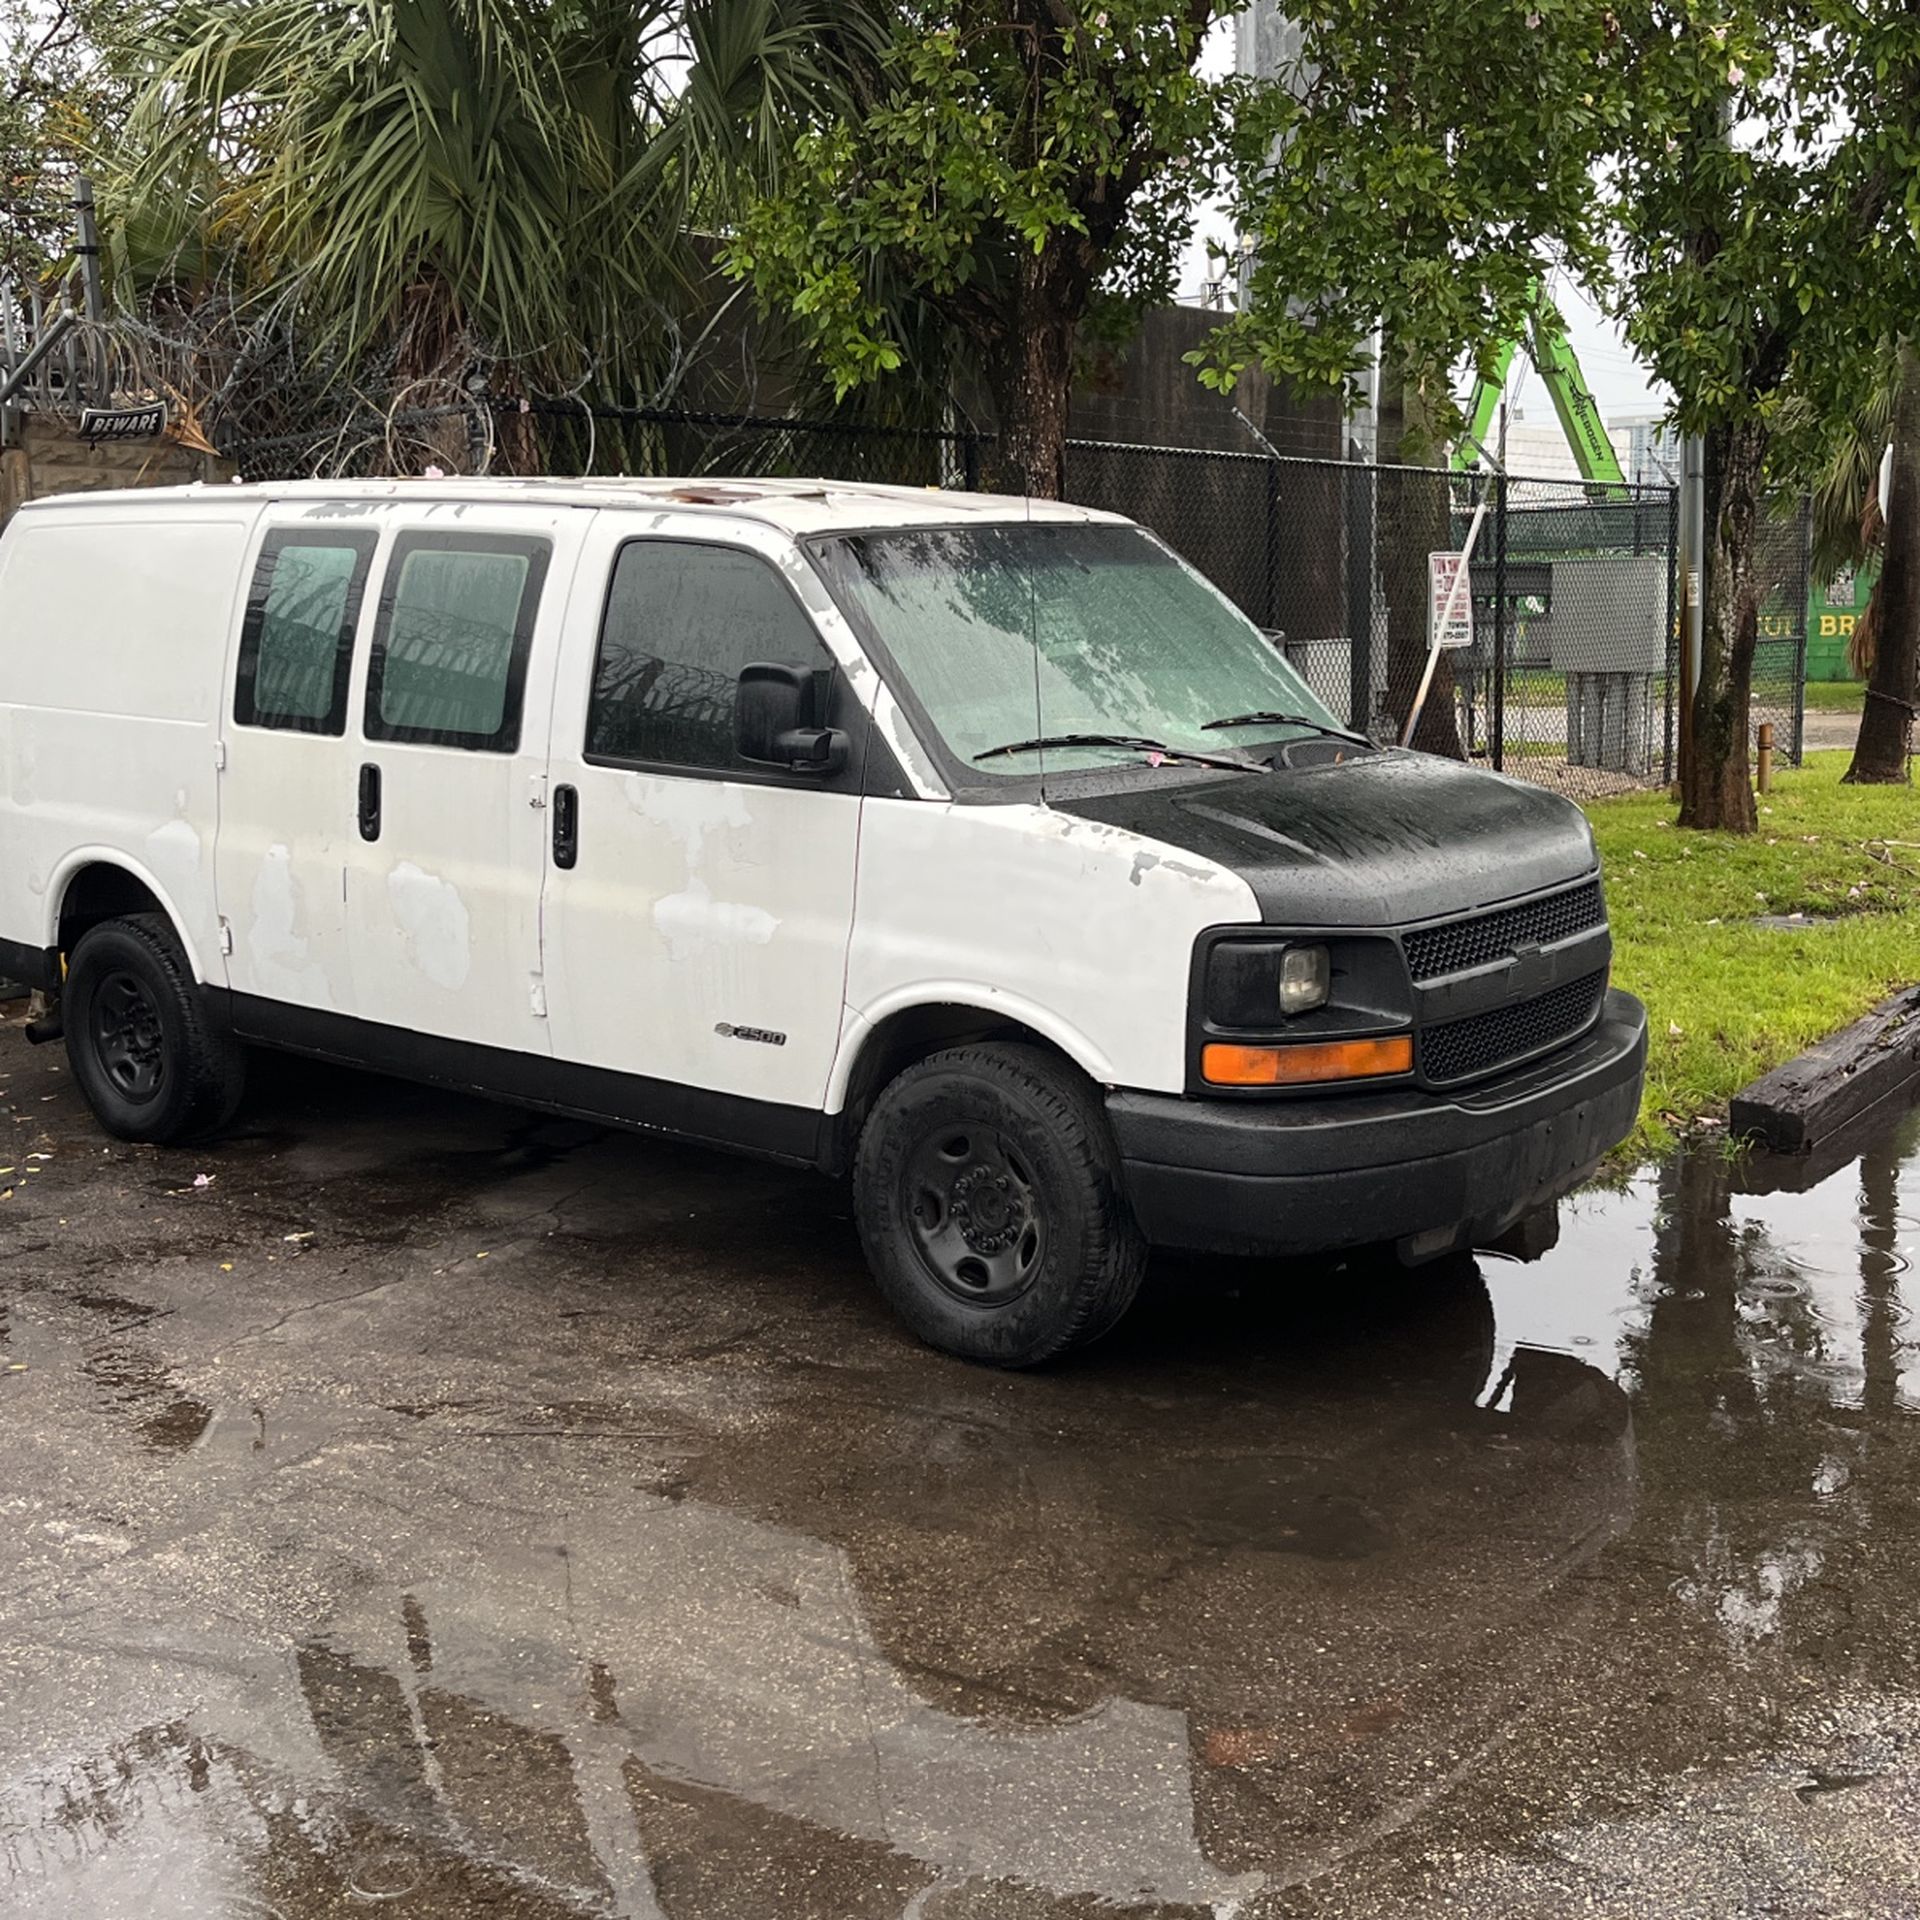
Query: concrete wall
point(45, 456)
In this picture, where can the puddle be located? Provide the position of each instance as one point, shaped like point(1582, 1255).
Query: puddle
point(134, 1381)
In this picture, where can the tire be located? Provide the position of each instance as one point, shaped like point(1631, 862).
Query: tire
point(990, 1206)
point(147, 1054)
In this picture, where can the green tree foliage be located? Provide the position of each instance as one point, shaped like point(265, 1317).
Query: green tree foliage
point(428, 176)
point(1892, 651)
point(1764, 215)
point(1022, 170)
point(60, 99)
point(417, 169)
point(1739, 180)
point(1416, 172)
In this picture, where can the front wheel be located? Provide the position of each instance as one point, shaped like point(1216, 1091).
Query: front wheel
point(990, 1205)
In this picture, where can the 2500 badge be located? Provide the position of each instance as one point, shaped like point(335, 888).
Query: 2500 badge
point(764, 1035)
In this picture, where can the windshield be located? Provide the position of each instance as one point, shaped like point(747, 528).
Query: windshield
point(1130, 643)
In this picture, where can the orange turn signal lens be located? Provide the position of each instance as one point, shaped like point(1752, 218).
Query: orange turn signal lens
point(1230, 1066)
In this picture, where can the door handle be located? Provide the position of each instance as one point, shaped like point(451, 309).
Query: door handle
point(369, 801)
point(566, 826)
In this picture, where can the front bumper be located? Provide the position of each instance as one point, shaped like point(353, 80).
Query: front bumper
point(1426, 1171)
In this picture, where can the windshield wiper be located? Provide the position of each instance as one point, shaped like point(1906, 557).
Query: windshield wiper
point(1138, 742)
point(1266, 719)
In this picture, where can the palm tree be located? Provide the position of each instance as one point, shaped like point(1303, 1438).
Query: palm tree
point(1851, 526)
point(1881, 753)
point(424, 183)
point(1847, 526)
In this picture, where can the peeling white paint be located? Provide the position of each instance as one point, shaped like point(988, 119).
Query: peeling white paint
point(276, 942)
point(174, 848)
point(689, 810)
point(435, 930)
point(692, 921)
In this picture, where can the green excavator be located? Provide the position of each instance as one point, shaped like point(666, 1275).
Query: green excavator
point(1552, 355)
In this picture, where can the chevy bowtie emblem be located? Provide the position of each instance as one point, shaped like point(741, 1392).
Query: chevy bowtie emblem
point(1532, 971)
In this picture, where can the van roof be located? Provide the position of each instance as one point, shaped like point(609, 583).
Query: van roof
point(799, 506)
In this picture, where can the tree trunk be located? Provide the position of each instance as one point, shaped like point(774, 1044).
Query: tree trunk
point(1886, 727)
point(1031, 374)
point(1414, 520)
point(1715, 788)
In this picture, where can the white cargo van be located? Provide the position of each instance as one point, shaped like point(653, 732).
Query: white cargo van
point(975, 847)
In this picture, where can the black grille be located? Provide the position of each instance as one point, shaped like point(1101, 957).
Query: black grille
point(1478, 1044)
point(1461, 944)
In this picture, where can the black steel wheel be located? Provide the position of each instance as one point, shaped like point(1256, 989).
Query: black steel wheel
point(977, 1223)
point(127, 1039)
point(143, 1039)
point(989, 1201)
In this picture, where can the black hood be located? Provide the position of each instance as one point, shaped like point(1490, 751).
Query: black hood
point(1378, 840)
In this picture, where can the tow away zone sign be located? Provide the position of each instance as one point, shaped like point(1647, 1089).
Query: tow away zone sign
point(1449, 601)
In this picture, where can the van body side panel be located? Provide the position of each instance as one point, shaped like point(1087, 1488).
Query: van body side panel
point(699, 935)
point(443, 899)
point(113, 634)
point(287, 803)
point(1080, 930)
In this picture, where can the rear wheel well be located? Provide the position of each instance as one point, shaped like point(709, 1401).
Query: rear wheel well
point(902, 1040)
point(102, 892)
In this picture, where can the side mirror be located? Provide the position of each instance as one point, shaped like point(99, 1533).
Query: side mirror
point(777, 711)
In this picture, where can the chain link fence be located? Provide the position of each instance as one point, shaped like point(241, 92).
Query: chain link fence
point(1570, 681)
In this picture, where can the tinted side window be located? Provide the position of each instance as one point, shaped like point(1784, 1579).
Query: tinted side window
point(681, 621)
point(450, 646)
point(296, 645)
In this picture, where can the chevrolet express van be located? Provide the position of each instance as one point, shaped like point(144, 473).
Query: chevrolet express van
point(975, 847)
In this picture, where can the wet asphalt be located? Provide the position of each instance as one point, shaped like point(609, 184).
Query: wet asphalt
point(412, 1506)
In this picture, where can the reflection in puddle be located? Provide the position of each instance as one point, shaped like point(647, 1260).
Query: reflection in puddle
point(1806, 1281)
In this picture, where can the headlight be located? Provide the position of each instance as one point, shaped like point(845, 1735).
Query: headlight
point(1253, 984)
point(1305, 977)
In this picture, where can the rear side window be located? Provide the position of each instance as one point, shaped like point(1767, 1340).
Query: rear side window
point(681, 621)
point(450, 646)
point(296, 646)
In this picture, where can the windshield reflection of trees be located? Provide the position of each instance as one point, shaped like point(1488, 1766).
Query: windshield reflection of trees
point(1127, 640)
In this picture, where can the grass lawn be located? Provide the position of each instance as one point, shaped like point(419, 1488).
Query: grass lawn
point(1727, 999)
point(1836, 696)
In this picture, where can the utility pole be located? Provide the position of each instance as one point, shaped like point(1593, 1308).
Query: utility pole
point(1693, 539)
point(1692, 571)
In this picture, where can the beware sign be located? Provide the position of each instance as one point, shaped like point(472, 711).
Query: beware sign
point(1449, 601)
point(145, 422)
